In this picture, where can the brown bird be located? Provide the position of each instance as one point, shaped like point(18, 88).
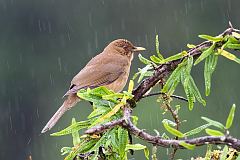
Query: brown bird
point(109, 68)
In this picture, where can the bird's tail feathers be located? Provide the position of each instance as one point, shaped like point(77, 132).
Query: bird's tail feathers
point(67, 104)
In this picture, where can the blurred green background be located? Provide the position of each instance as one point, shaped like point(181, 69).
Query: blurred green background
point(43, 44)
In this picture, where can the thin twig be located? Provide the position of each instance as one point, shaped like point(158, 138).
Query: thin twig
point(161, 93)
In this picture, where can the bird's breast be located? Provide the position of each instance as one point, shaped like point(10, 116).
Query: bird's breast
point(119, 84)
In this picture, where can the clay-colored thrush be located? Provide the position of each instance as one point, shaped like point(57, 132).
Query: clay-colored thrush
point(109, 68)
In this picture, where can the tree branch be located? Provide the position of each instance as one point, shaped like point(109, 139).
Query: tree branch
point(159, 141)
point(161, 93)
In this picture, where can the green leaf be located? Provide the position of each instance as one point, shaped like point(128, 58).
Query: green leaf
point(209, 67)
point(135, 147)
point(154, 153)
point(191, 46)
point(173, 87)
point(73, 128)
point(115, 109)
point(175, 57)
point(224, 153)
point(100, 142)
point(214, 123)
point(213, 132)
point(197, 130)
point(98, 111)
point(230, 117)
point(157, 49)
point(172, 130)
point(83, 148)
point(123, 140)
point(238, 158)
point(233, 46)
point(155, 59)
point(75, 135)
point(187, 145)
point(130, 86)
point(92, 98)
point(228, 55)
point(146, 153)
point(144, 60)
point(174, 78)
point(210, 38)
point(205, 54)
point(169, 122)
point(144, 72)
point(66, 150)
point(100, 91)
point(209, 151)
point(196, 92)
point(189, 65)
point(189, 93)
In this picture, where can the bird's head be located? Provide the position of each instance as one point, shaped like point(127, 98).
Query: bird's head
point(123, 47)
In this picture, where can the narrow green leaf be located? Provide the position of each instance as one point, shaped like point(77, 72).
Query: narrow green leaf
point(135, 147)
point(224, 153)
point(172, 130)
point(209, 151)
point(173, 87)
point(73, 128)
point(210, 38)
point(213, 132)
point(154, 153)
point(209, 67)
point(189, 93)
point(230, 56)
point(157, 49)
point(187, 145)
point(238, 158)
point(174, 57)
point(174, 78)
point(191, 46)
point(233, 46)
point(189, 65)
point(115, 109)
point(197, 130)
point(155, 59)
point(100, 91)
point(144, 72)
point(230, 117)
point(205, 54)
point(98, 111)
point(169, 122)
point(196, 92)
point(123, 140)
point(75, 135)
point(84, 147)
point(214, 123)
point(100, 142)
point(144, 60)
point(66, 150)
point(146, 153)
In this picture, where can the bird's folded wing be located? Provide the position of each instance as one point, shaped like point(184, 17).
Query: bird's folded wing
point(92, 77)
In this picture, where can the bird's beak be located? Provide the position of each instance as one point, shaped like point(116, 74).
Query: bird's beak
point(137, 49)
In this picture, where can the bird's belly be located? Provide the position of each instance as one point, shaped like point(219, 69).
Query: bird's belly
point(118, 84)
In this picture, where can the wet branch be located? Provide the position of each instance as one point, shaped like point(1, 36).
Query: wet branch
point(159, 141)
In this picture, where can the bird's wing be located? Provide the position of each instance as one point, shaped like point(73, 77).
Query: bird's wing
point(96, 74)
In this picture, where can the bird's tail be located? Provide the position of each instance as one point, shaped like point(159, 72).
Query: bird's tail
point(71, 101)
